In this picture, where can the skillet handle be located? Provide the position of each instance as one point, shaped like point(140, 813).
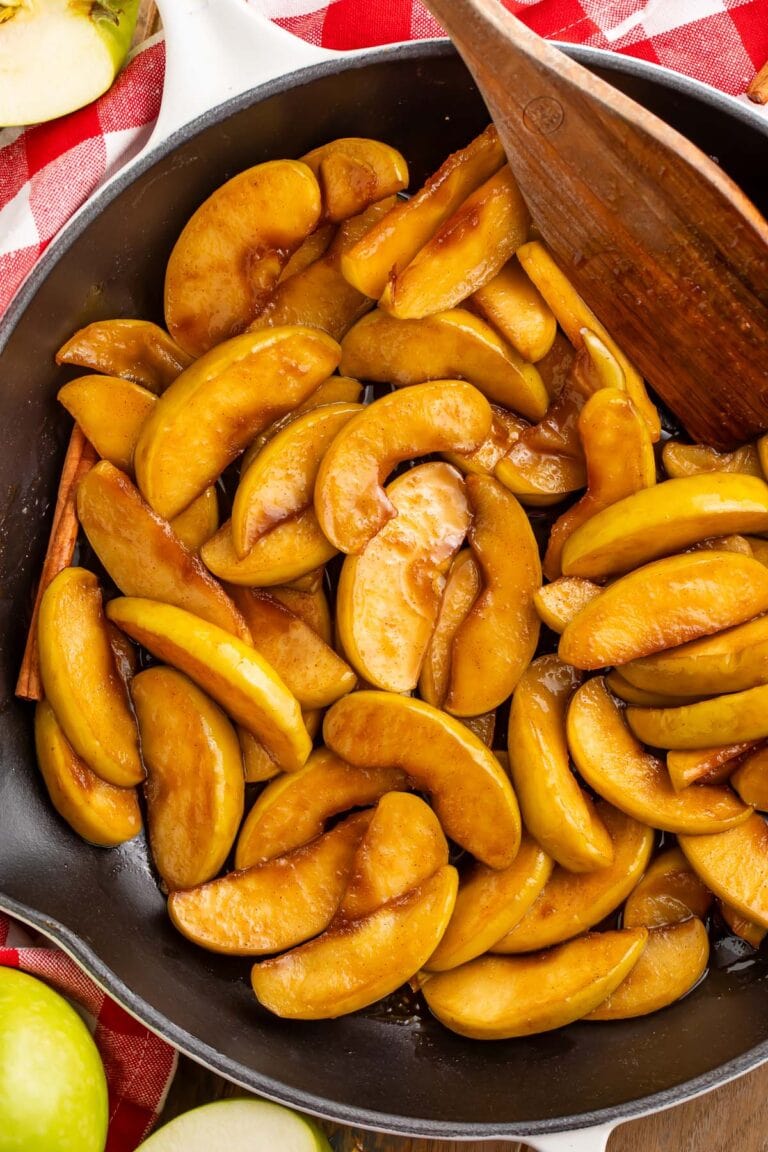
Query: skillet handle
point(216, 50)
point(581, 1140)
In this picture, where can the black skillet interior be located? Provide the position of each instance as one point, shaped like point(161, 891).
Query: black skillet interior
point(380, 1070)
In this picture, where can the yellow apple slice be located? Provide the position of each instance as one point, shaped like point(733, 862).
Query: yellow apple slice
point(464, 254)
point(258, 765)
point(398, 577)
point(294, 809)
point(396, 239)
point(557, 603)
point(143, 555)
point(213, 410)
point(506, 430)
point(232, 250)
point(354, 172)
point(669, 892)
point(111, 412)
point(691, 459)
point(134, 349)
point(310, 605)
point(81, 680)
point(274, 905)
point(334, 390)
point(447, 345)
point(498, 997)
point(99, 812)
point(462, 587)
point(518, 311)
point(734, 865)
point(613, 763)
point(627, 692)
point(195, 787)
point(572, 902)
point(401, 848)
point(539, 478)
point(751, 779)
point(281, 480)
point(664, 519)
point(350, 502)
point(754, 934)
point(229, 670)
point(360, 961)
point(198, 522)
point(310, 250)
point(731, 719)
point(497, 638)
point(556, 811)
point(711, 765)
point(663, 605)
point(489, 904)
point(292, 549)
point(672, 963)
point(306, 664)
point(468, 789)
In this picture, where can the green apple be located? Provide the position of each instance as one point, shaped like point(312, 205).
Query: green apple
point(53, 1091)
point(57, 55)
point(238, 1126)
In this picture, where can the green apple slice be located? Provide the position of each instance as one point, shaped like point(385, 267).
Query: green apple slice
point(238, 1126)
point(57, 55)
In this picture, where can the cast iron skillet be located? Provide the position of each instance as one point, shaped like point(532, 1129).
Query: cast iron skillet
point(377, 1069)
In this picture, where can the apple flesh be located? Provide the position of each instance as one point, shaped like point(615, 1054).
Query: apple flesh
point(57, 55)
point(53, 1091)
point(238, 1126)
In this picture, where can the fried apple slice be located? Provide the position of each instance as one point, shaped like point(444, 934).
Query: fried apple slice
point(232, 250)
point(395, 240)
point(462, 588)
point(469, 791)
point(274, 905)
point(198, 522)
point(334, 390)
point(556, 811)
point(447, 345)
point(517, 310)
point(665, 519)
point(401, 848)
point(497, 638)
point(213, 410)
point(306, 664)
point(489, 904)
point(134, 349)
point(111, 412)
point(310, 250)
point(506, 430)
point(292, 549)
point(663, 605)
point(195, 787)
point(358, 962)
point(310, 605)
point(143, 555)
point(669, 893)
point(281, 480)
point(627, 692)
point(612, 762)
point(572, 902)
point(230, 671)
point(751, 779)
point(731, 719)
point(258, 765)
point(734, 865)
point(81, 680)
point(399, 577)
point(712, 765)
point(745, 929)
point(354, 172)
point(350, 502)
point(467, 251)
point(691, 459)
point(99, 812)
point(557, 603)
point(498, 997)
point(539, 478)
point(671, 964)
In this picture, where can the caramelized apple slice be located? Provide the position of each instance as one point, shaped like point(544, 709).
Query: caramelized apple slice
point(754, 934)
point(669, 893)
point(99, 812)
point(310, 605)
point(351, 505)
point(557, 603)
point(732, 719)
point(198, 522)
point(691, 459)
point(751, 779)
point(274, 905)
point(354, 172)
point(360, 961)
point(134, 349)
point(539, 478)
point(334, 390)
point(497, 997)
point(81, 681)
point(447, 345)
point(398, 577)
point(195, 787)
point(258, 765)
point(630, 694)
point(613, 763)
point(489, 904)
point(292, 549)
point(469, 791)
point(572, 902)
point(556, 811)
point(232, 250)
point(506, 430)
point(230, 671)
point(734, 865)
point(518, 311)
point(672, 963)
point(461, 590)
point(111, 412)
point(711, 765)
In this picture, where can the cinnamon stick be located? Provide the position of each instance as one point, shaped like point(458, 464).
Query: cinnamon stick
point(758, 88)
point(80, 458)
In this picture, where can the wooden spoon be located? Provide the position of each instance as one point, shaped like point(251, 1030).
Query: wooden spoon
point(663, 246)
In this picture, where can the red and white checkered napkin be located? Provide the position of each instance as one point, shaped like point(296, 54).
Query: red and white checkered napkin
point(138, 1064)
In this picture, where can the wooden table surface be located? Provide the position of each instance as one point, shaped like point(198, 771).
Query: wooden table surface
point(731, 1119)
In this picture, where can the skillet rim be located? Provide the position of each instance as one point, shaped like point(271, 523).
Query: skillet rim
point(65, 937)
